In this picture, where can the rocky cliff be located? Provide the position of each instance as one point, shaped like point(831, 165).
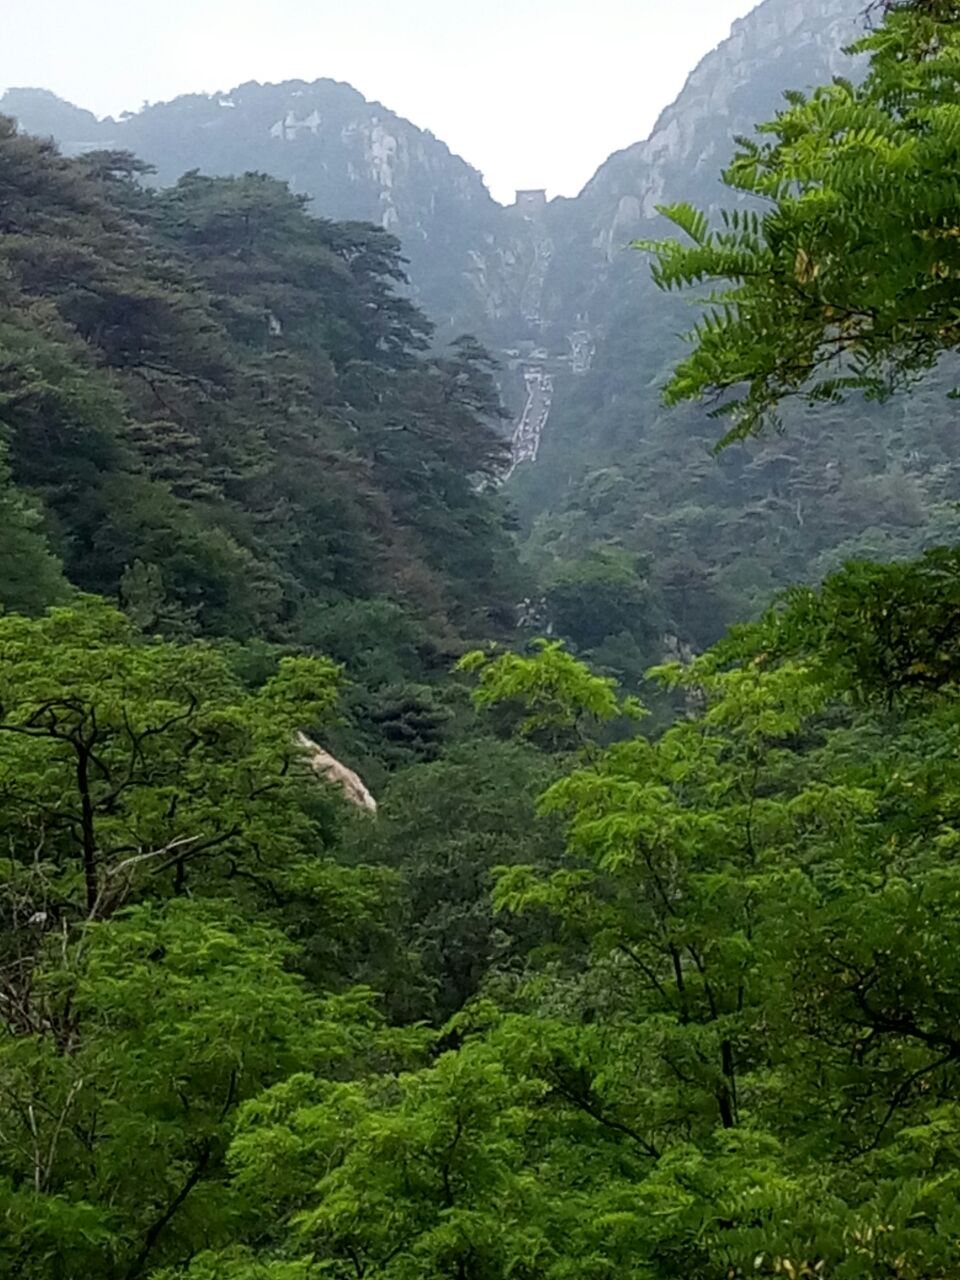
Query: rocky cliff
point(781, 44)
point(598, 291)
point(355, 159)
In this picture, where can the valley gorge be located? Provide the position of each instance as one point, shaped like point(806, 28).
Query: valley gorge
point(537, 276)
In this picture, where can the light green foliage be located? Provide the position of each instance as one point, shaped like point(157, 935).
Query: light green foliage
point(239, 1264)
point(741, 1059)
point(557, 698)
point(167, 873)
point(160, 1023)
point(125, 762)
point(436, 1156)
point(844, 277)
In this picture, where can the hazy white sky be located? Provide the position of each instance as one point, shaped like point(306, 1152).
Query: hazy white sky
point(532, 92)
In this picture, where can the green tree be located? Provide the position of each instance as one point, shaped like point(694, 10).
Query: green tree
point(602, 594)
point(175, 934)
point(445, 827)
point(120, 1078)
point(844, 277)
point(549, 697)
point(125, 762)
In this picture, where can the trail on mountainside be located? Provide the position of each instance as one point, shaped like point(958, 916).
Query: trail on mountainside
point(536, 410)
point(539, 367)
point(539, 382)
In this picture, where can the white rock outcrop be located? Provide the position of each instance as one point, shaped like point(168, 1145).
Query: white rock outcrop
point(331, 770)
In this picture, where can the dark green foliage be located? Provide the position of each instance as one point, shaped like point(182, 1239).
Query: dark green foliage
point(884, 632)
point(220, 412)
point(325, 139)
point(381, 642)
point(30, 576)
point(224, 408)
point(722, 534)
point(445, 827)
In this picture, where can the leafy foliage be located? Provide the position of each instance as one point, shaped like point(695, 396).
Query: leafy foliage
point(555, 699)
point(844, 277)
point(170, 914)
point(736, 1054)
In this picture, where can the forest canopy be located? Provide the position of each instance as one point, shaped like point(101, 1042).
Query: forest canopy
point(594, 994)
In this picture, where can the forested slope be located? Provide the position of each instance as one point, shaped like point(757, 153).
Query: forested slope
point(223, 411)
point(356, 159)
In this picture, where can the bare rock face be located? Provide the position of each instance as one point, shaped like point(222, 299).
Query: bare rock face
point(338, 775)
point(782, 44)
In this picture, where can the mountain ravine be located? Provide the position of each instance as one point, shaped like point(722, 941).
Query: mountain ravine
point(542, 282)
